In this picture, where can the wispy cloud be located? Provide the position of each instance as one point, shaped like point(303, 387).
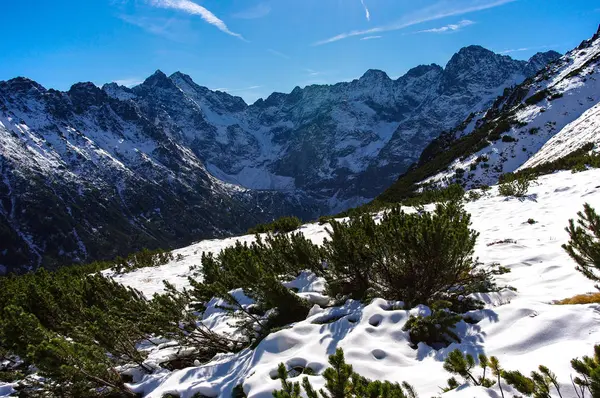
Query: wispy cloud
point(367, 12)
point(521, 49)
point(134, 81)
point(192, 8)
point(158, 26)
point(312, 72)
point(371, 37)
point(258, 11)
point(279, 54)
point(448, 28)
point(237, 90)
point(442, 9)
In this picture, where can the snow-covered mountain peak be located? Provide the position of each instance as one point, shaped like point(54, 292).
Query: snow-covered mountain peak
point(116, 91)
point(21, 85)
point(86, 94)
point(540, 60)
point(553, 103)
point(318, 149)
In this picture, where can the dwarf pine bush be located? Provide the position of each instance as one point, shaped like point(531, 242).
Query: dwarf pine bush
point(342, 382)
point(258, 270)
point(515, 185)
point(75, 330)
point(435, 330)
point(280, 225)
point(414, 257)
point(584, 243)
point(464, 365)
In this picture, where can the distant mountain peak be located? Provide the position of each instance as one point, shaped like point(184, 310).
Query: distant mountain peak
point(375, 74)
point(158, 79)
point(183, 77)
point(421, 70)
point(23, 84)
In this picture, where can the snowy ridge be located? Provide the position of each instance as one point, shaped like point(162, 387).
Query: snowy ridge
point(557, 98)
point(583, 130)
point(523, 328)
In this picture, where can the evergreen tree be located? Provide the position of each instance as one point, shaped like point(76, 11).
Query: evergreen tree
point(257, 270)
point(342, 382)
point(435, 329)
point(584, 243)
point(414, 257)
point(588, 369)
point(464, 365)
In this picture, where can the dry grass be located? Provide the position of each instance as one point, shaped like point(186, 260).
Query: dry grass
point(588, 298)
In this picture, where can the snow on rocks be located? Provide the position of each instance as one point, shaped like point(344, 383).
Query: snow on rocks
point(522, 327)
point(584, 130)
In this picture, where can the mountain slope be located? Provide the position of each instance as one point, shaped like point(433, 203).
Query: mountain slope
point(522, 327)
point(85, 177)
point(92, 173)
point(585, 129)
point(515, 127)
point(347, 141)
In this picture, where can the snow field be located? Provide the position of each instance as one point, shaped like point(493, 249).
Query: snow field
point(523, 328)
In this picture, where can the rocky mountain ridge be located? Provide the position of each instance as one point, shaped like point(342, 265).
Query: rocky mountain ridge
point(546, 117)
point(94, 172)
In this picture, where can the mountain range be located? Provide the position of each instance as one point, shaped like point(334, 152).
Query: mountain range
point(96, 172)
point(543, 119)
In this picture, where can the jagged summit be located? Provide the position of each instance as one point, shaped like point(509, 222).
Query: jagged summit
point(375, 74)
point(420, 70)
point(22, 84)
point(158, 79)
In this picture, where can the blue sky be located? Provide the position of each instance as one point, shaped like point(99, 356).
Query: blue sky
point(251, 48)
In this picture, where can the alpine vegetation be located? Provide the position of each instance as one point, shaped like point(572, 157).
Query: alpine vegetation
point(584, 243)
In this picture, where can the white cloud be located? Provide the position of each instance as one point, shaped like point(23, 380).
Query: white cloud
point(442, 9)
point(194, 9)
point(159, 26)
point(134, 81)
point(236, 90)
point(277, 53)
point(367, 12)
point(258, 11)
point(516, 50)
point(371, 37)
point(448, 28)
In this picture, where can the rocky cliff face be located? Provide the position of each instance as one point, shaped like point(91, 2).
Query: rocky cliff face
point(95, 172)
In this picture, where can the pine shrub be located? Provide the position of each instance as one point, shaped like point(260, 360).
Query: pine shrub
point(418, 258)
point(432, 194)
point(515, 185)
point(588, 369)
point(584, 243)
point(281, 225)
point(464, 365)
point(342, 382)
point(350, 256)
point(258, 269)
point(435, 330)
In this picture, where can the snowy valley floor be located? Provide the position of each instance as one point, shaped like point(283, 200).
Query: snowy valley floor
point(523, 329)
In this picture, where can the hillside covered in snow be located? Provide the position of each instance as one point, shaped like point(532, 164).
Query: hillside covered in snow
point(520, 323)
